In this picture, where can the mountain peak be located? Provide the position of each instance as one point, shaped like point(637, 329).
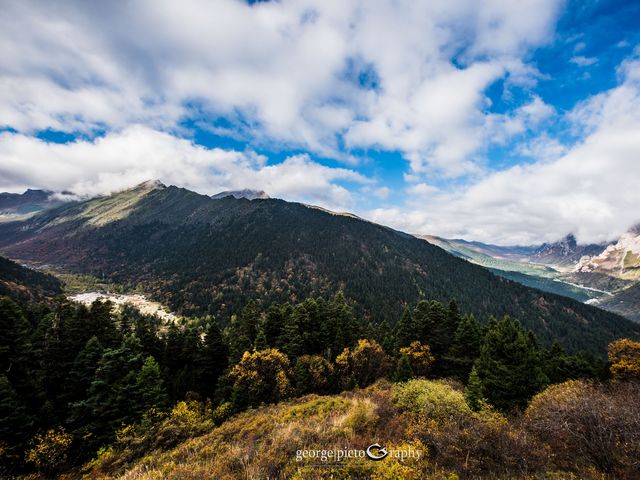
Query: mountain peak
point(149, 185)
point(245, 193)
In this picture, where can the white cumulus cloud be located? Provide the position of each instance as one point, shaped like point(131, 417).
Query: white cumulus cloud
point(138, 153)
point(590, 190)
point(399, 75)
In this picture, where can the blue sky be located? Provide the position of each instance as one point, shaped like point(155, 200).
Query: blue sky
point(508, 122)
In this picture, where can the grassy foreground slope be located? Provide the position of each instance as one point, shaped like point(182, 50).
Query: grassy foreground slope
point(557, 437)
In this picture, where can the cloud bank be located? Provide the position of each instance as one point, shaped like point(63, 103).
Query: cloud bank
point(591, 190)
point(401, 75)
point(332, 80)
point(121, 160)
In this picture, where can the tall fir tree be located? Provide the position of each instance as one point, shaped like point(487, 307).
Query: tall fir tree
point(150, 386)
point(16, 424)
point(403, 369)
point(474, 391)
point(405, 331)
point(465, 347)
point(215, 359)
point(509, 365)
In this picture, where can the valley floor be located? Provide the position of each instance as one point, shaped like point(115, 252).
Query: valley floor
point(140, 302)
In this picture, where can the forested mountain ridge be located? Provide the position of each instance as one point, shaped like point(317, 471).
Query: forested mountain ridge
point(201, 256)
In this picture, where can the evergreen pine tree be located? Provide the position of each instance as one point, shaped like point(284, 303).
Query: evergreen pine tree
point(150, 386)
point(261, 341)
point(509, 365)
point(15, 421)
point(215, 359)
point(406, 329)
point(16, 355)
point(421, 325)
point(239, 340)
point(274, 320)
point(109, 400)
point(465, 347)
point(403, 369)
point(437, 331)
point(474, 391)
point(291, 339)
point(301, 377)
point(83, 370)
point(104, 323)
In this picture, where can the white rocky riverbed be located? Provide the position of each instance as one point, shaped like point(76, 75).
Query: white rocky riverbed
point(140, 302)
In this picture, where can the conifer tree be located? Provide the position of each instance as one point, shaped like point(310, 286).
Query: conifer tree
point(103, 323)
point(239, 340)
point(261, 341)
point(421, 324)
point(465, 347)
point(16, 355)
point(436, 331)
point(108, 403)
point(346, 328)
point(275, 319)
point(403, 369)
point(215, 359)
point(150, 386)
point(474, 391)
point(15, 421)
point(509, 365)
point(83, 370)
point(291, 338)
point(406, 331)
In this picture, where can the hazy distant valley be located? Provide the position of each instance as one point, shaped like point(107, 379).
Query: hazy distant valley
point(605, 275)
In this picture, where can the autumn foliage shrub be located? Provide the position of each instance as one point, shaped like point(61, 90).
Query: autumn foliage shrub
point(434, 399)
point(624, 359)
point(363, 364)
point(49, 450)
point(466, 442)
point(587, 423)
point(263, 376)
point(420, 358)
point(313, 374)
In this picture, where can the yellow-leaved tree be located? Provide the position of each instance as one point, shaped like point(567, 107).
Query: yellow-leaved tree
point(259, 377)
point(49, 450)
point(624, 359)
point(420, 357)
point(363, 364)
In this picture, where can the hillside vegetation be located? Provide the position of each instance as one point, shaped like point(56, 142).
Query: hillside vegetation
point(26, 284)
point(555, 437)
point(127, 394)
point(202, 256)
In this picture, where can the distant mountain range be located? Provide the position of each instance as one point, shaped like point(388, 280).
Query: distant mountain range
point(200, 255)
point(13, 205)
point(606, 275)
